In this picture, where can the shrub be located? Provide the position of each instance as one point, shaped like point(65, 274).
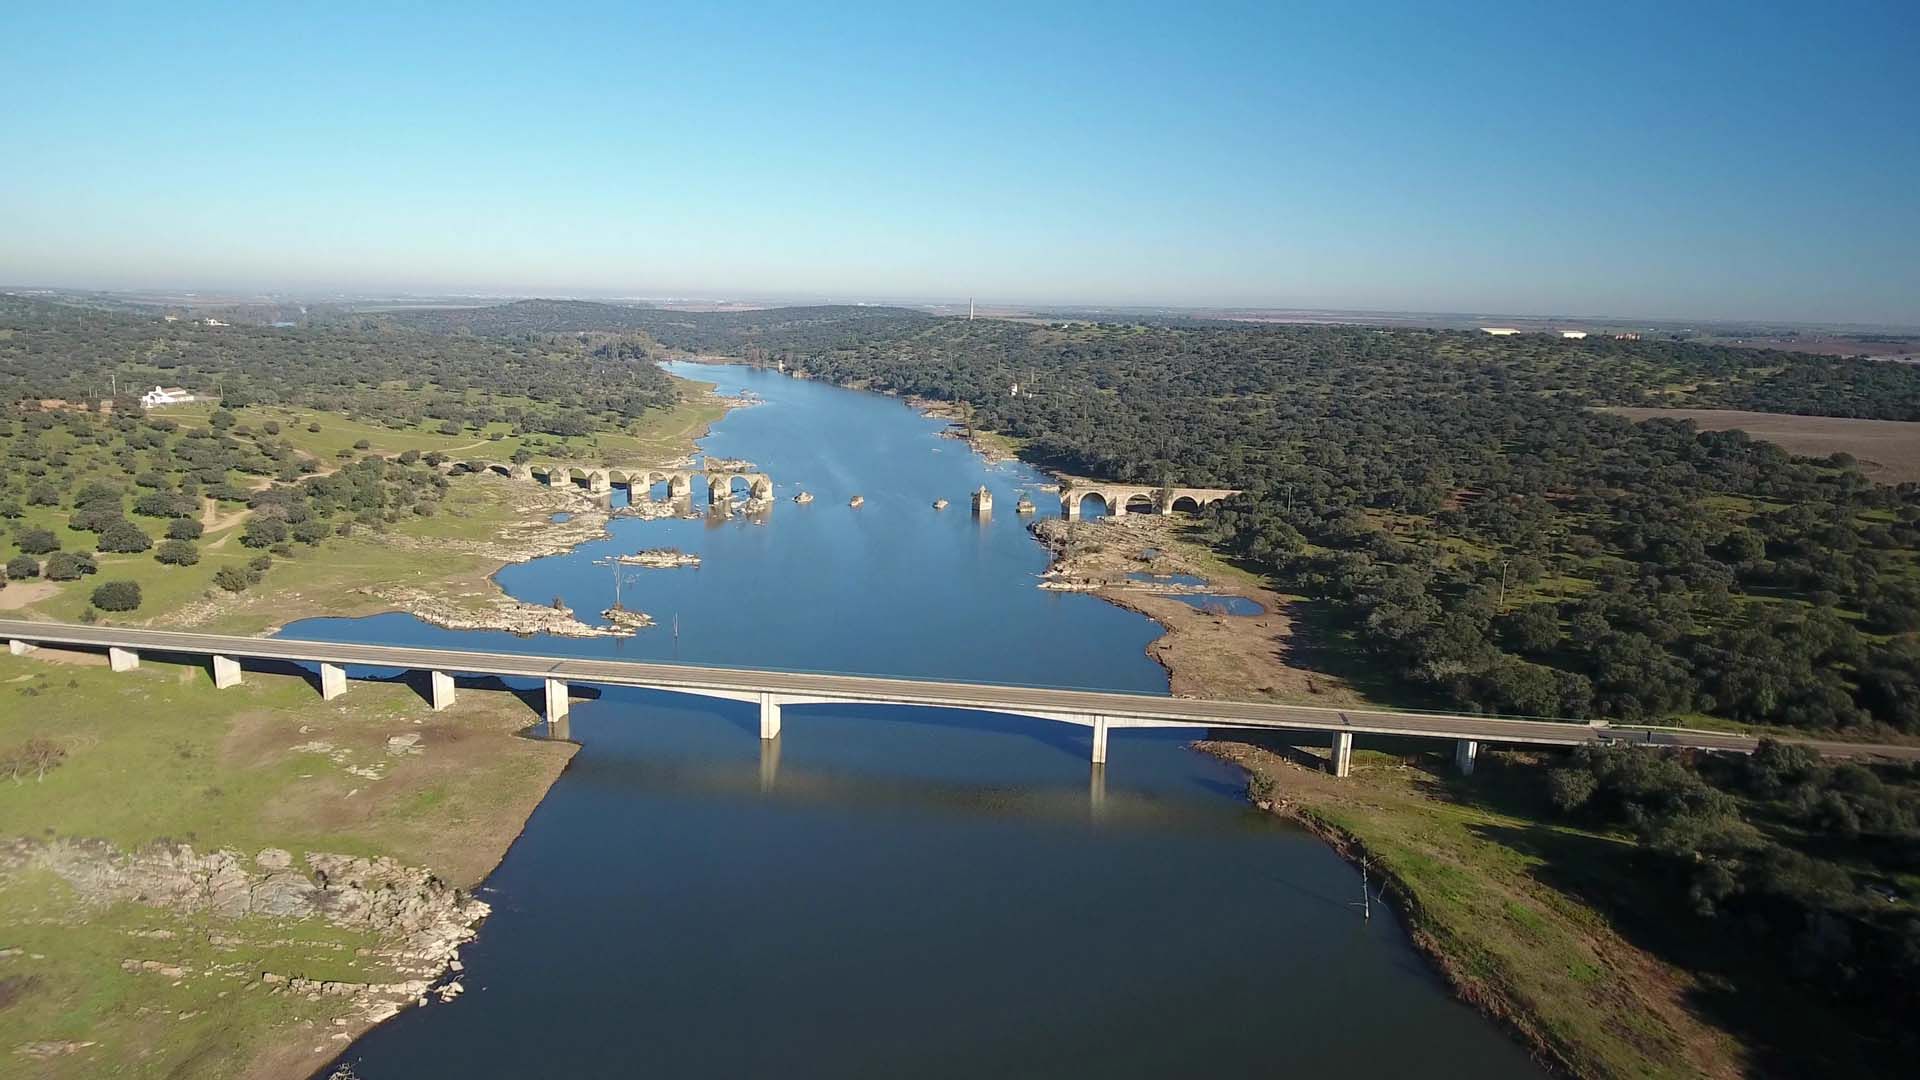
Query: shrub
point(22, 567)
point(177, 553)
point(69, 566)
point(124, 536)
point(36, 756)
point(271, 427)
point(232, 578)
point(117, 596)
point(313, 428)
point(184, 529)
point(362, 444)
point(38, 541)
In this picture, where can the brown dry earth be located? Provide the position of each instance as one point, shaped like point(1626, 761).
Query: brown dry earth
point(1263, 657)
point(1889, 450)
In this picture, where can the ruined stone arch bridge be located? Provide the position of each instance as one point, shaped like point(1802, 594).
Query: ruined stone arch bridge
point(600, 479)
point(1119, 500)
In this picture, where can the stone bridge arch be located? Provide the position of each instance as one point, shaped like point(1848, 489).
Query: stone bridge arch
point(1120, 500)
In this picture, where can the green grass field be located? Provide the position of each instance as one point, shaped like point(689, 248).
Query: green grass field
point(157, 755)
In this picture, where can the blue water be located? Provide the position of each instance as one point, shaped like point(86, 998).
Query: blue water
point(888, 891)
point(1231, 605)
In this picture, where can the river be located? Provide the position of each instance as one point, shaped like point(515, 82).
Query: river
point(892, 891)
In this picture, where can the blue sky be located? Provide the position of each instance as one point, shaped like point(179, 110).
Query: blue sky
point(1693, 159)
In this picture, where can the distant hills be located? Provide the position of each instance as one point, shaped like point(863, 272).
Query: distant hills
point(680, 329)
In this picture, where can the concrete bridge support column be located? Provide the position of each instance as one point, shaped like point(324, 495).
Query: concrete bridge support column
point(442, 689)
point(769, 716)
point(122, 659)
point(1116, 508)
point(20, 648)
point(226, 672)
point(1342, 761)
point(1099, 740)
point(556, 700)
point(1070, 506)
point(333, 681)
point(1464, 751)
point(599, 484)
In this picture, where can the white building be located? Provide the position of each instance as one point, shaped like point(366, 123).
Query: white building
point(164, 395)
point(1499, 331)
point(1574, 335)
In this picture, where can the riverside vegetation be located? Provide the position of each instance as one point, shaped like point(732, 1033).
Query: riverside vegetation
point(238, 882)
point(1457, 515)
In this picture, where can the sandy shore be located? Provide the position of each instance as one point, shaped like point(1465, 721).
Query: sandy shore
point(1207, 653)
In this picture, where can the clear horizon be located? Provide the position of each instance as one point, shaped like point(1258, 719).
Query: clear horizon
point(1746, 163)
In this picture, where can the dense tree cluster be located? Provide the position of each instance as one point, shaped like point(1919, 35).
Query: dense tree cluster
point(369, 368)
point(1465, 509)
point(1781, 855)
point(96, 478)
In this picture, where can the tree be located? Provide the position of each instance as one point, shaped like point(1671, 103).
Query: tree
point(23, 567)
point(177, 553)
point(37, 541)
point(261, 532)
point(1533, 629)
point(120, 595)
point(184, 528)
point(69, 566)
point(232, 578)
point(124, 536)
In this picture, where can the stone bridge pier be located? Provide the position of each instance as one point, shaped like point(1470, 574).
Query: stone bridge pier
point(721, 484)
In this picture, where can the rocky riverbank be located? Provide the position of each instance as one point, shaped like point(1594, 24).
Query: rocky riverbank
point(987, 445)
point(423, 920)
point(489, 611)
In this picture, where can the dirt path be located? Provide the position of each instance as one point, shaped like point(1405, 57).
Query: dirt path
point(20, 594)
point(213, 521)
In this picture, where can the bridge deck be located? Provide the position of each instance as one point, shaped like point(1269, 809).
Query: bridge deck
point(1119, 709)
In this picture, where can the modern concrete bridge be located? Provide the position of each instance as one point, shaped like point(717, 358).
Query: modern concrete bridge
point(771, 691)
point(1123, 499)
point(600, 479)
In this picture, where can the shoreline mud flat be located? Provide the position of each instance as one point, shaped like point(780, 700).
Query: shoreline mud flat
point(1207, 654)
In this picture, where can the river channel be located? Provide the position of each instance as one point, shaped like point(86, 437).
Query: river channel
point(885, 892)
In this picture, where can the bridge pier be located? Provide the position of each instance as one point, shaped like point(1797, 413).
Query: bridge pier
point(1342, 760)
point(226, 672)
point(556, 700)
point(20, 648)
point(441, 683)
point(120, 659)
point(1464, 751)
point(333, 681)
point(1099, 740)
point(769, 716)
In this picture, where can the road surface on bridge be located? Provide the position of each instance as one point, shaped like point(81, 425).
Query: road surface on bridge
point(1075, 706)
